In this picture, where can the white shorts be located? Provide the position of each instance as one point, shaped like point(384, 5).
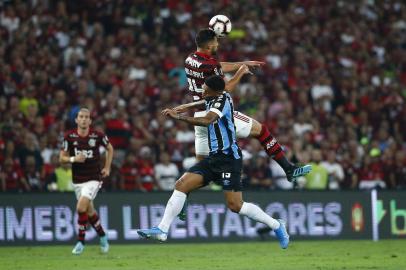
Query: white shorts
point(243, 125)
point(87, 189)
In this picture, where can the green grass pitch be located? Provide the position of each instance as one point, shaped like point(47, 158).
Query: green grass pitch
point(339, 254)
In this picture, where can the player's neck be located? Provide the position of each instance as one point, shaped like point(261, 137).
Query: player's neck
point(83, 132)
point(204, 51)
point(213, 95)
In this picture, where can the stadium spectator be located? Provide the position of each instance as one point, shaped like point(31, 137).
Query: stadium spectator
point(32, 174)
point(397, 172)
point(166, 173)
point(318, 177)
point(260, 173)
point(61, 178)
point(371, 173)
point(335, 83)
point(129, 178)
point(334, 169)
point(12, 178)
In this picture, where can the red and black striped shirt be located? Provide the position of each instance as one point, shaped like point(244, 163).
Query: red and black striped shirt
point(89, 146)
point(199, 66)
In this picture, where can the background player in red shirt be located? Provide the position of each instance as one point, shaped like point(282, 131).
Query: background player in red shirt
point(81, 148)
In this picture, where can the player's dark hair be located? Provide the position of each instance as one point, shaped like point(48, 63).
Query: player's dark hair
point(215, 83)
point(82, 109)
point(204, 36)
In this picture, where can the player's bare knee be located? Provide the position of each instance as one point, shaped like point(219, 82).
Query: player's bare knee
point(234, 206)
point(256, 128)
point(179, 185)
point(81, 209)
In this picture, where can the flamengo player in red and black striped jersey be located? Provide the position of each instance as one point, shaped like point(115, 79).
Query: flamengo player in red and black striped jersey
point(81, 148)
point(201, 64)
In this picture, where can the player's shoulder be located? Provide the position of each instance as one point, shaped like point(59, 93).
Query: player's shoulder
point(219, 101)
point(201, 57)
point(71, 134)
point(223, 97)
point(96, 133)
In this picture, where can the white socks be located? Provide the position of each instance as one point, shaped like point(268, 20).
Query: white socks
point(173, 208)
point(254, 212)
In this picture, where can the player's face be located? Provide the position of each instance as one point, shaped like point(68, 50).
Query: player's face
point(213, 46)
point(83, 119)
point(204, 93)
point(207, 92)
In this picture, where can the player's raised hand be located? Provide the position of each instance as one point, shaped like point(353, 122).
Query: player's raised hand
point(105, 172)
point(171, 113)
point(254, 63)
point(244, 69)
point(80, 158)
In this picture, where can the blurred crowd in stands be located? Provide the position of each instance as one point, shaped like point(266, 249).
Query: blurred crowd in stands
point(332, 91)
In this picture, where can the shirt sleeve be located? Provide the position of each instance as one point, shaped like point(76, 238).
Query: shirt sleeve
point(65, 143)
point(104, 140)
point(219, 106)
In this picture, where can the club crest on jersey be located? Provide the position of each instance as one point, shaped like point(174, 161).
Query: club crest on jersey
point(92, 142)
point(217, 105)
point(75, 143)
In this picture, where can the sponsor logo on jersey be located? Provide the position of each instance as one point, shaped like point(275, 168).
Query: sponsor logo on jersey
point(270, 144)
point(193, 62)
point(92, 142)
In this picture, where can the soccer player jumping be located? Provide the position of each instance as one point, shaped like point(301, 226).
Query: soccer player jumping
point(202, 64)
point(81, 148)
point(223, 164)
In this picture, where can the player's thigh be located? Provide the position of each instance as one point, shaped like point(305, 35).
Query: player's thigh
point(189, 182)
point(87, 189)
point(201, 174)
point(234, 200)
point(243, 124)
point(201, 138)
point(83, 204)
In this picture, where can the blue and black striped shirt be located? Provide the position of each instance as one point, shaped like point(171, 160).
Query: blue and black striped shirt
point(222, 134)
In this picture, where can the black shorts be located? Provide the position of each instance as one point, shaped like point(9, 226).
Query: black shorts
point(222, 169)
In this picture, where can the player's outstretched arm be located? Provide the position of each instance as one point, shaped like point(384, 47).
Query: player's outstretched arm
point(184, 107)
point(232, 83)
point(109, 158)
point(209, 118)
point(233, 66)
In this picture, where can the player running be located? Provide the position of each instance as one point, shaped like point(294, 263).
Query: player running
point(201, 64)
point(81, 148)
point(223, 164)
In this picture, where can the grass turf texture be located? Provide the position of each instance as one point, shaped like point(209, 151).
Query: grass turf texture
point(340, 254)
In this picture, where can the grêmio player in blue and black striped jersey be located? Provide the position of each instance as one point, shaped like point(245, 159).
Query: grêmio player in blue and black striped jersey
point(223, 165)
